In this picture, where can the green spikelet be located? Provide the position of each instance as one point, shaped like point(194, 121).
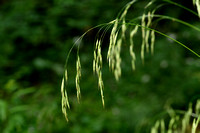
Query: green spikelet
point(150, 17)
point(117, 70)
point(143, 24)
point(65, 101)
point(132, 53)
point(152, 41)
point(78, 76)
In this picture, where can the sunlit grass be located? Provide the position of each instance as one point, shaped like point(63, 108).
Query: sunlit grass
point(118, 37)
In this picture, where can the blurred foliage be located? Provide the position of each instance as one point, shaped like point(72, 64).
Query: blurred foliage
point(35, 37)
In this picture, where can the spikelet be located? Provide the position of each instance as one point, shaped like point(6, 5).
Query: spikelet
point(94, 61)
point(123, 28)
point(65, 101)
point(149, 4)
point(148, 31)
point(143, 37)
point(66, 76)
point(126, 9)
point(97, 66)
point(132, 33)
point(133, 57)
point(99, 56)
point(112, 53)
point(66, 79)
point(152, 41)
point(101, 86)
point(78, 76)
point(117, 70)
point(95, 56)
point(123, 18)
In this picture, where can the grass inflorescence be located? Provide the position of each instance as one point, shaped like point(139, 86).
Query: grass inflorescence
point(117, 38)
point(180, 121)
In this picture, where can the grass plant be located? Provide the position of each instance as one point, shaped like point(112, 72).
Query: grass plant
point(123, 30)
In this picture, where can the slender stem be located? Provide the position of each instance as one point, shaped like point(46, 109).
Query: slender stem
point(184, 112)
point(167, 37)
point(80, 39)
point(169, 18)
point(179, 5)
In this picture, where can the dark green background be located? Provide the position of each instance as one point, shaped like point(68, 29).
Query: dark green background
point(35, 37)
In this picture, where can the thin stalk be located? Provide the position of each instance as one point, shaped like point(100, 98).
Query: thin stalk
point(183, 112)
point(169, 18)
point(167, 37)
point(80, 39)
point(179, 5)
point(178, 20)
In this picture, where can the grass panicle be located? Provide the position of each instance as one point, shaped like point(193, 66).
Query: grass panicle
point(117, 38)
point(180, 121)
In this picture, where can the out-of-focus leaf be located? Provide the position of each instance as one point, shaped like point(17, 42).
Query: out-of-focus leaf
point(19, 108)
point(23, 92)
point(3, 110)
point(11, 85)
